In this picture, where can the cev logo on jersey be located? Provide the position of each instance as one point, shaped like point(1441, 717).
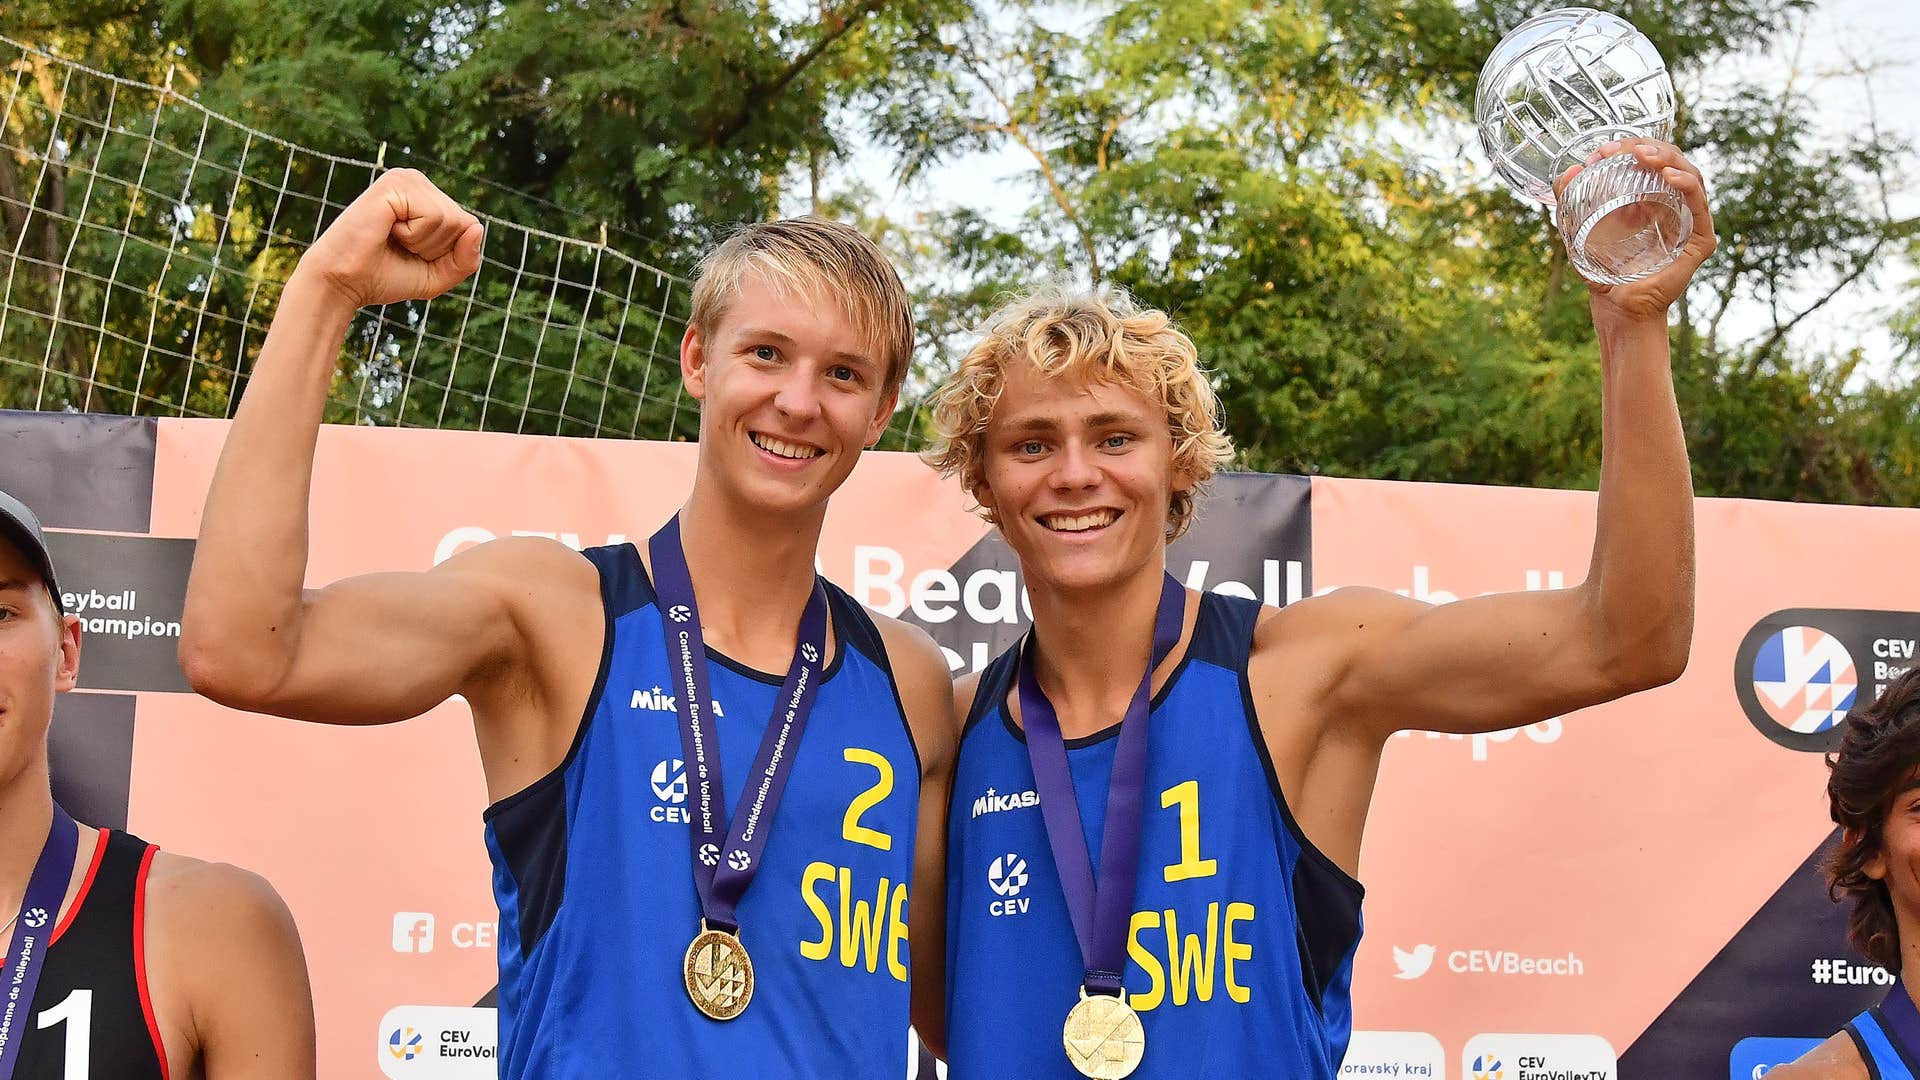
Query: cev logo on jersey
point(437, 1042)
point(670, 787)
point(1539, 1057)
point(1006, 877)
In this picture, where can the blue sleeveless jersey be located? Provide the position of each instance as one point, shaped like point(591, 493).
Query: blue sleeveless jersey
point(1883, 1056)
point(1240, 949)
point(592, 872)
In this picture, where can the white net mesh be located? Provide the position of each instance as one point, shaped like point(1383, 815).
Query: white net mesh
point(144, 241)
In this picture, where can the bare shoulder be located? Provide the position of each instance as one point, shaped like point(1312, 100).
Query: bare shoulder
point(528, 568)
point(911, 651)
point(550, 595)
point(1350, 609)
point(187, 896)
point(920, 671)
point(965, 689)
point(1317, 636)
point(1835, 1059)
point(227, 973)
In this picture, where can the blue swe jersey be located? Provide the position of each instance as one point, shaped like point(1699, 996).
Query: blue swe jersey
point(592, 874)
point(1885, 1060)
point(1240, 950)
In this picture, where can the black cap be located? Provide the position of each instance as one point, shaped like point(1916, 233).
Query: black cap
point(19, 525)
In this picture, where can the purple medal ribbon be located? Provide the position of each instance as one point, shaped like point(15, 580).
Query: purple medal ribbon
point(722, 880)
point(39, 910)
point(1902, 1020)
point(1100, 916)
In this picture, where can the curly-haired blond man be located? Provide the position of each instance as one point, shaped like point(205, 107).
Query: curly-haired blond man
point(1175, 893)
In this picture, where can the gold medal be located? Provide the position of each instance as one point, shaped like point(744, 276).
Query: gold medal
point(1103, 1037)
point(720, 974)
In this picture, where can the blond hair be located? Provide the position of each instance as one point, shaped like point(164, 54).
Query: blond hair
point(818, 258)
point(1102, 337)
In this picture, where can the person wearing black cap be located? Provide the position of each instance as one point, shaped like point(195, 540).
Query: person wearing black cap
point(120, 960)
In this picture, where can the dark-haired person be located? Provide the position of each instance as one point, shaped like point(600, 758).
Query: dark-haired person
point(121, 961)
point(1873, 790)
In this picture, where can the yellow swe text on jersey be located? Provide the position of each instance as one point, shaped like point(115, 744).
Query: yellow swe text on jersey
point(854, 930)
point(1189, 960)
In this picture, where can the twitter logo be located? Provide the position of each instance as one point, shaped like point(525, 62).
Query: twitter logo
point(1412, 964)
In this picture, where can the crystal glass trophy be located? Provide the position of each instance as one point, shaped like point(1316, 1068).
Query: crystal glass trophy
point(1557, 88)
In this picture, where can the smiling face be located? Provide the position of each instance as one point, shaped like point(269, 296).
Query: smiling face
point(791, 391)
point(1080, 385)
point(39, 658)
point(1896, 862)
point(1079, 476)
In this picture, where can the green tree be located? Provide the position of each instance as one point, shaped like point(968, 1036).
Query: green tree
point(654, 125)
point(1286, 178)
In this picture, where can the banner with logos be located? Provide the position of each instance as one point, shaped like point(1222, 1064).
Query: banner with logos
point(1631, 891)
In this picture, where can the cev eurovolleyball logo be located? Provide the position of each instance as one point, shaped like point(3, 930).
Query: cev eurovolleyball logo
point(1805, 679)
point(404, 1044)
point(1798, 673)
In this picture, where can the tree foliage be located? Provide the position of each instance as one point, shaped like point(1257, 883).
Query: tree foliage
point(1290, 178)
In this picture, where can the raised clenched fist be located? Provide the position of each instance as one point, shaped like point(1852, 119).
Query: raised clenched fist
point(402, 239)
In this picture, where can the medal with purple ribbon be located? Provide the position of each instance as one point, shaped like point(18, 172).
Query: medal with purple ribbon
point(1103, 1036)
point(718, 971)
point(38, 917)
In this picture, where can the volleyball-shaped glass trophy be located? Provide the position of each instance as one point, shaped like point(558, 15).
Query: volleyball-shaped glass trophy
point(1557, 88)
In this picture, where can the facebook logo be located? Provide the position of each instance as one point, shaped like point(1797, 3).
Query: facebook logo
point(412, 932)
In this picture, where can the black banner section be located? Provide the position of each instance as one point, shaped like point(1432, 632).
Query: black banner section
point(1788, 972)
point(128, 592)
point(78, 470)
point(90, 747)
point(1254, 537)
point(1799, 671)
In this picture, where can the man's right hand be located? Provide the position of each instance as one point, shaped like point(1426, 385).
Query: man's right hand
point(402, 239)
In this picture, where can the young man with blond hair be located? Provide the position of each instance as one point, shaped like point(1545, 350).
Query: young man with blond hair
point(627, 946)
point(1180, 898)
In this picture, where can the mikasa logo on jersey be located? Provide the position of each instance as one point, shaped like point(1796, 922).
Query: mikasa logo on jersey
point(1006, 877)
point(657, 700)
point(993, 803)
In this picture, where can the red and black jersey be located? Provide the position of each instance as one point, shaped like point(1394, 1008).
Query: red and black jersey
point(92, 1017)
